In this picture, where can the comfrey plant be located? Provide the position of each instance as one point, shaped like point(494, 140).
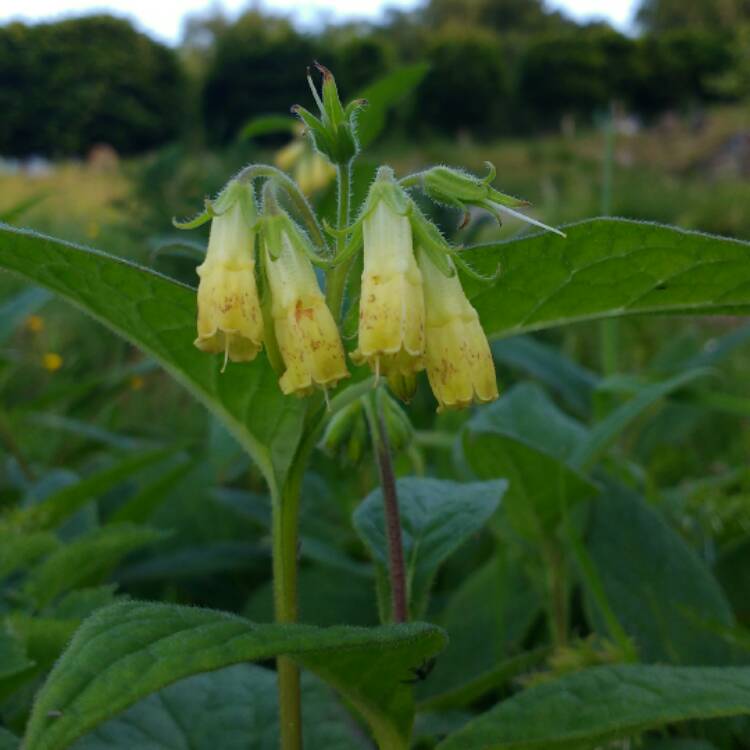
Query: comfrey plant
point(310, 334)
point(413, 312)
point(259, 287)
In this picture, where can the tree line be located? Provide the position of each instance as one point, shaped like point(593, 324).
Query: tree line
point(497, 67)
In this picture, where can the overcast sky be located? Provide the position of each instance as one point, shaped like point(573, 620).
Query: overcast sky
point(163, 18)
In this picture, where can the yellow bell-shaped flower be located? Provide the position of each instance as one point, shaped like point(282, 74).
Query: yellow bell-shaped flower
point(460, 367)
point(229, 314)
point(306, 333)
point(391, 307)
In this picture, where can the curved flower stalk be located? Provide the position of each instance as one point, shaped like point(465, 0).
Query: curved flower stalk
point(306, 333)
point(229, 314)
point(459, 362)
point(391, 308)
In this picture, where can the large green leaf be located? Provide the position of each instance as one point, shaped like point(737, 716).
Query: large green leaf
point(84, 560)
point(8, 741)
point(607, 268)
point(527, 439)
point(604, 703)
point(437, 516)
point(235, 708)
point(660, 591)
point(487, 619)
point(158, 315)
point(13, 658)
point(129, 650)
point(549, 365)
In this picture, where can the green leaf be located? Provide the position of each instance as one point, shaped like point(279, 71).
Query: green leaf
point(527, 439)
point(13, 658)
point(61, 505)
point(384, 94)
point(8, 741)
point(129, 650)
point(606, 432)
point(20, 550)
point(158, 315)
point(605, 703)
point(437, 517)
point(235, 708)
point(486, 620)
point(662, 594)
point(139, 508)
point(607, 268)
point(549, 365)
point(86, 560)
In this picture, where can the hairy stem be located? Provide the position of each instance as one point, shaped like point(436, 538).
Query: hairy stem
point(285, 539)
point(257, 171)
point(396, 566)
point(337, 277)
point(558, 593)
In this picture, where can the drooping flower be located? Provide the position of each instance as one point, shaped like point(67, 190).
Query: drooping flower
point(229, 315)
point(311, 171)
point(459, 362)
point(306, 333)
point(391, 307)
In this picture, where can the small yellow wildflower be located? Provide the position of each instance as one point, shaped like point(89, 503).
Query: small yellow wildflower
point(229, 315)
point(136, 383)
point(35, 323)
point(52, 362)
point(306, 333)
point(460, 367)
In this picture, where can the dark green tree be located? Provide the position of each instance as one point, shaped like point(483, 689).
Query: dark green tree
point(467, 87)
point(713, 15)
point(258, 67)
point(71, 84)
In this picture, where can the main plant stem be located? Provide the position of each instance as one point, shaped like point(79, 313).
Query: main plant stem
point(337, 277)
point(396, 566)
point(285, 541)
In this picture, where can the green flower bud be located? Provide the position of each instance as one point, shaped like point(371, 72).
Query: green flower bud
point(334, 131)
point(459, 189)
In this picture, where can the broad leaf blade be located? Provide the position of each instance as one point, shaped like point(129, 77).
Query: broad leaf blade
point(437, 516)
point(605, 703)
point(663, 595)
point(527, 439)
point(129, 650)
point(608, 268)
point(158, 315)
point(607, 431)
point(235, 708)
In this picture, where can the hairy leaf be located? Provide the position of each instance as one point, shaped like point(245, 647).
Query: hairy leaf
point(131, 649)
point(158, 315)
point(596, 705)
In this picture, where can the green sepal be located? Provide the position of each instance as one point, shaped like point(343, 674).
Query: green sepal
point(352, 246)
point(270, 343)
point(454, 187)
point(472, 273)
point(428, 237)
point(332, 109)
point(302, 243)
point(197, 221)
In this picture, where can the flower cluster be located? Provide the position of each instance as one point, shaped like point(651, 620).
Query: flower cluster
point(259, 287)
point(413, 312)
point(231, 318)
